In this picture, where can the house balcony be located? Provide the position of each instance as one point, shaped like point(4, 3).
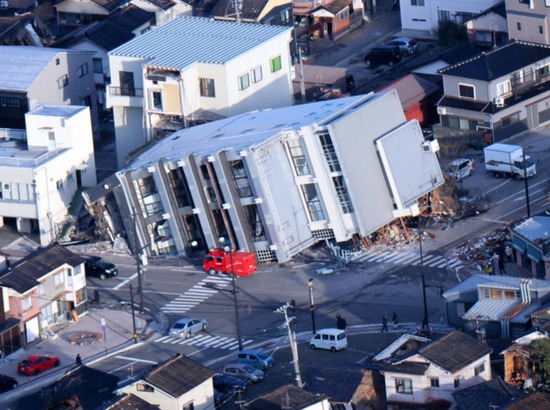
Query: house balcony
point(124, 96)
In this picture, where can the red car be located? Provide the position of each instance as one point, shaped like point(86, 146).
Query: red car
point(36, 364)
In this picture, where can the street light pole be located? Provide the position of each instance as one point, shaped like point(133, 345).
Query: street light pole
point(311, 303)
point(234, 291)
point(134, 336)
point(526, 187)
point(138, 263)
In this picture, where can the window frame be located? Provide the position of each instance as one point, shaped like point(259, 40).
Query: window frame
point(434, 382)
point(256, 74)
point(82, 70)
point(26, 303)
point(462, 87)
point(207, 87)
point(243, 81)
point(403, 385)
point(63, 81)
point(479, 369)
point(275, 64)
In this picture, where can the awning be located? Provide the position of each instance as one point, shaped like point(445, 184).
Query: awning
point(518, 244)
point(534, 254)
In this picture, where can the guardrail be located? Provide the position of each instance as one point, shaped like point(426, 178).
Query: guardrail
point(125, 91)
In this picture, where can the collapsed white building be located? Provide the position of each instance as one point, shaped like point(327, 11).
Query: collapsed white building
point(274, 181)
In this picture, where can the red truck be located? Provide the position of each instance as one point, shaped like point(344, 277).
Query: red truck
point(219, 261)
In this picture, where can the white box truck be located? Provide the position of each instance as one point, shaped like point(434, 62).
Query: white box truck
point(507, 160)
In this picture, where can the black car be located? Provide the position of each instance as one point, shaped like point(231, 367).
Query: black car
point(7, 383)
point(227, 383)
point(383, 54)
point(100, 268)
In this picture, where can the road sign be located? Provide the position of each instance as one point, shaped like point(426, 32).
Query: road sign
point(103, 325)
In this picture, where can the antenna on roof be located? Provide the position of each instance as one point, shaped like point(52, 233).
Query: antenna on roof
point(238, 4)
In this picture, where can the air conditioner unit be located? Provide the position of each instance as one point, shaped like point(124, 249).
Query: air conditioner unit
point(499, 101)
point(442, 110)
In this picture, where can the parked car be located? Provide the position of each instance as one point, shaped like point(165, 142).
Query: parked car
point(227, 383)
point(329, 339)
point(36, 364)
point(383, 54)
point(7, 383)
point(407, 46)
point(244, 370)
point(99, 268)
point(187, 327)
point(460, 168)
point(255, 357)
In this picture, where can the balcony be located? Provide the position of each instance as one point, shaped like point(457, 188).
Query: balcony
point(124, 96)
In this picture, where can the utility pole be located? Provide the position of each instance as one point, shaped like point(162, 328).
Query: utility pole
point(311, 303)
point(293, 344)
point(526, 186)
point(137, 249)
point(425, 323)
point(234, 287)
point(134, 336)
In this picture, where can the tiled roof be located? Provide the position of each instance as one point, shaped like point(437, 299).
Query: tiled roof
point(292, 397)
point(536, 401)
point(336, 6)
point(413, 368)
point(186, 41)
point(131, 17)
point(485, 395)
point(340, 384)
point(178, 375)
point(24, 274)
point(504, 60)
point(411, 89)
point(131, 402)
point(250, 10)
point(8, 25)
point(163, 4)
point(109, 4)
point(454, 351)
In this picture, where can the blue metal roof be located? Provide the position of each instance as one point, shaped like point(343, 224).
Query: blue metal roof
point(189, 40)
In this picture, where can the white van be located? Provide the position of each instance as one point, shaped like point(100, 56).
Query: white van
point(329, 339)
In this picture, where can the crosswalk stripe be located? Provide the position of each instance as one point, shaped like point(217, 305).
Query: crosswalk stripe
point(441, 264)
point(455, 263)
point(163, 338)
point(425, 260)
point(244, 343)
point(380, 256)
point(220, 342)
point(395, 255)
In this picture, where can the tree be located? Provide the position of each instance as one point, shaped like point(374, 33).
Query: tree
point(540, 354)
point(450, 33)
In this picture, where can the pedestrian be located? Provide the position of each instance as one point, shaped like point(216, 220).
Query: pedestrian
point(501, 264)
point(384, 323)
point(394, 320)
point(78, 360)
point(341, 322)
point(495, 262)
point(490, 267)
point(509, 253)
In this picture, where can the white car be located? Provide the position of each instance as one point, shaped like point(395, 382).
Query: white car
point(460, 168)
point(187, 327)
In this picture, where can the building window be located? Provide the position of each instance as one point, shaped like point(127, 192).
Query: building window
point(504, 88)
point(145, 387)
point(86, 101)
point(457, 383)
point(59, 184)
point(519, 26)
point(257, 74)
point(10, 102)
point(434, 381)
point(417, 3)
point(443, 15)
point(147, 195)
point(127, 84)
point(98, 66)
point(275, 64)
point(479, 369)
point(403, 386)
point(511, 119)
point(509, 294)
point(80, 296)
point(541, 31)
point(330, 152)
point(189, 406)
point(41, 289)
point(547, 3)
point(313, 202)
point(180, 188)
point(285, 17)
point(342, 194)
point(207, 87)
point(156, 100)
point(466, 91)
point(301, 166)
point(62, 81)
point(82, 70)
point(240, 179)
point(254, 222)
point(26, 303)
point(244, 81)
point(58, 279)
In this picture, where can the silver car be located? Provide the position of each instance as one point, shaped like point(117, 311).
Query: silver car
point(406, 45)
point(187, 327)
point(245, 371)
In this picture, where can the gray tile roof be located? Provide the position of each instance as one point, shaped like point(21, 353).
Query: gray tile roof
point(292, 397)
point(340, 384)
point(454, 351)
point(504, 60)
point(24, 274)
point(485, 395)
point(186, 41)
point(178, 375)
point(21, 65)
point(131, 402)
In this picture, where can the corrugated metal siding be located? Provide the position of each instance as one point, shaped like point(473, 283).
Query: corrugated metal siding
point(189, 40)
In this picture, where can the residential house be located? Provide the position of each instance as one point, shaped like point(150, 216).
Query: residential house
point(43, 288)
point(495, 306)
point(30, 76)
point(495, 393)
point(418, 95)
point(531, 244)
point(454, 55)
point(18, 31)
point(534, 401)
point(315, 80)
point(528, 20)
point(72, 14)
point(129, 401)
point(501, 92)
point(275, 181)
point(520, 370)
point(324, 19)
point(488, 29)
point(433, 372)
point(270, 12)
point(216, 69)
point(421, 18)
point(80, 388)
point(16, 4)
point(179, 383)
point(165, 10)
point(289, 396)
point(103, 36)
point(43, 167)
